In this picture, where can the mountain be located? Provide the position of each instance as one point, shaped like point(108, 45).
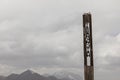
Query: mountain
point(67, 75)
point(2, 77)
point(30, 75)
point(12, 77)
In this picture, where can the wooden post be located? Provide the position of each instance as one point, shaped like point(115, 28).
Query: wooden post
point(88, 47)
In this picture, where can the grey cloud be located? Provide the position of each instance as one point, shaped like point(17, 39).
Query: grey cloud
point(113, 62)
point(39, 51)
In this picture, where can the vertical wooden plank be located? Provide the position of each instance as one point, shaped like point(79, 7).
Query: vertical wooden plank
point(88, 47)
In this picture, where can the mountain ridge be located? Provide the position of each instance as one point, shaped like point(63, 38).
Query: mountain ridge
point(31, 75)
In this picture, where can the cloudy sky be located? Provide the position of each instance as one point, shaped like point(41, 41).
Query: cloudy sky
point(46, 36)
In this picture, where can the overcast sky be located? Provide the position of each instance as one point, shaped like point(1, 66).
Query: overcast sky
point(46, 36)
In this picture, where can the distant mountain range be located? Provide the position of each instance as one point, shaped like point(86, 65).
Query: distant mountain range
point(30, 75)
point(67, 75)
